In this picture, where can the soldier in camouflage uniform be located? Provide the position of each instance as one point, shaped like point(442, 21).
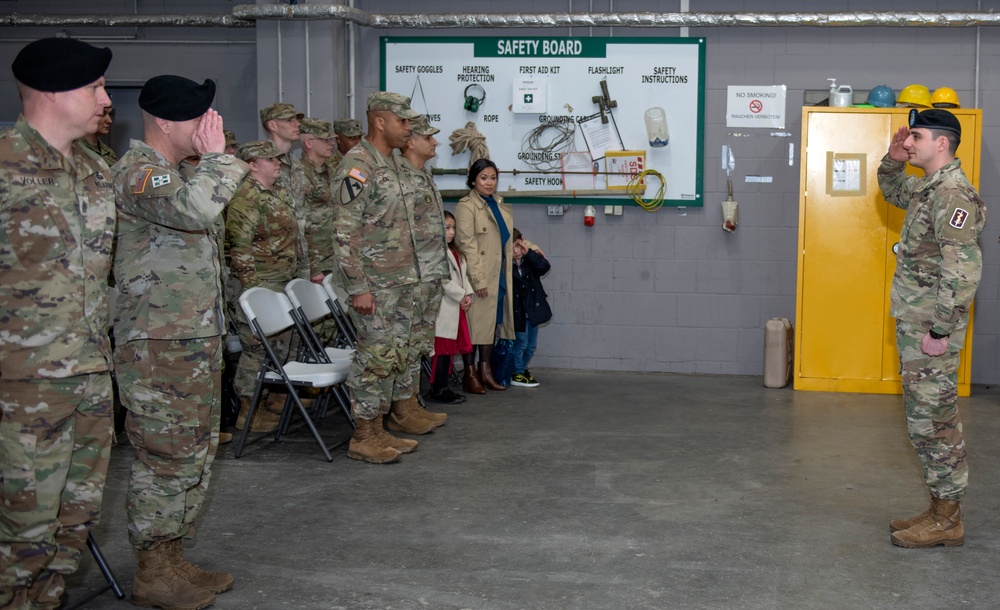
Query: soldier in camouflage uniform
point(348, 133)
point(92, 141)
point(372, 225)
point(262, 245)
point(317, 146)
point(406, 413)
point(232, 146)
point(168, 330)
point(938, 268)
point(282, 123)
point(57, 226)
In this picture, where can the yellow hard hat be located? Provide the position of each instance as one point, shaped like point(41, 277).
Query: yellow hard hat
point(914, 96)
point(945, 97)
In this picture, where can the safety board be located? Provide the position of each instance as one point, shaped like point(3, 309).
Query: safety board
point(552, 108)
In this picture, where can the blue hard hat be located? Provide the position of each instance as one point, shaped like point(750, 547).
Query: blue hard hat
point(882, 97)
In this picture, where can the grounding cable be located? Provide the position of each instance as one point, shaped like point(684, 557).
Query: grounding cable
point(636, 187)
point(542, 147)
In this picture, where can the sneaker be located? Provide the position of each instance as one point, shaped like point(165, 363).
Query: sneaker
point(521, 380)
point(530, 377)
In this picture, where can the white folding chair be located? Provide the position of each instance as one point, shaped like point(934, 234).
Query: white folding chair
point(335, 300)
point(311, 304)
point(270, 313)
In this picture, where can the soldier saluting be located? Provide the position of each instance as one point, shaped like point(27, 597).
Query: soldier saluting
point(938, 266)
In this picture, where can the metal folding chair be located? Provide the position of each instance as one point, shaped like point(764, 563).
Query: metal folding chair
point(105, 568)
point(270, 313)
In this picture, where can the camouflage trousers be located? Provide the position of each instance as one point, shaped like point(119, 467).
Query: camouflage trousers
point(930, 398)
point(381, 370)
point(173, 392)
point(426, 304)
point(55, 444)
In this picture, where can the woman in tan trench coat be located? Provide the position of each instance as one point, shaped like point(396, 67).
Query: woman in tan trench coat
point(479, 235)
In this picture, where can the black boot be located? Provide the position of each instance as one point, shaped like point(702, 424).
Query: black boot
point(439, 385)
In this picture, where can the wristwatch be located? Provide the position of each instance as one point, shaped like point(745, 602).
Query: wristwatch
point(935, 335)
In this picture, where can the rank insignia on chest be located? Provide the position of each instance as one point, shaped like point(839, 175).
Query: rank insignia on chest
point(352, 185)
point(958, 218)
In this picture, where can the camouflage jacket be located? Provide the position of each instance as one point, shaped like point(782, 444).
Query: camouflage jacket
point(371, 221)
point(103, 151)
point(262, 238)
point(319, 213)
point(334, 159)
point(428, 224)
point(938, 263)
point(291, 186)
point(57, 223)
point(167, 264)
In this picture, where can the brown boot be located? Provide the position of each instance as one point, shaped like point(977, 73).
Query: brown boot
point(470, 381)
point(402, 445)
point(216, 582)
point(404, 418)
point(275, 403)
point(904, 524)
point(262, 421)
point(943, 527)
point(432, 416)
point(486, 374)
point(157, 585)
point(364, 444)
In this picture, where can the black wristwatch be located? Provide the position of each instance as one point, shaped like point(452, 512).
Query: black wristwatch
point(935, 335)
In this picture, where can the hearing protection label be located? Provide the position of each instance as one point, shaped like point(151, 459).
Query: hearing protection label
point(756, 107)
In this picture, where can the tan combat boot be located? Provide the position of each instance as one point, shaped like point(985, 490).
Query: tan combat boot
point(402, 445)
point(431, 416)
point(943, 527)
point(262, 420)
point(364, 444)
point(157, 585)
point(904, 524)
point(216, 582)
point(404, 418)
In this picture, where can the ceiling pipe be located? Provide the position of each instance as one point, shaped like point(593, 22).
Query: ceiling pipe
point(245, 16)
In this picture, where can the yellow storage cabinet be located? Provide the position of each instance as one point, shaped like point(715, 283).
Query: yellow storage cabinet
point(845, 339)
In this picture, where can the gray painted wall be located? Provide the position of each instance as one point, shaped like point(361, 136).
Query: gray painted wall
point(668, 291)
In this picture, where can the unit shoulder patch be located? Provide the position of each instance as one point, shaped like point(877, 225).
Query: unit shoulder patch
point(352, 185)
point(140, 181)
point(958, 218)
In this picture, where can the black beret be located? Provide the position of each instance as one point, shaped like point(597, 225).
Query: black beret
point(175, 98)
point(935, 118)
point(60, 64)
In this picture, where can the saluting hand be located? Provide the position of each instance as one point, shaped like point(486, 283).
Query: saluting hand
point(896, 150)
point(209, 137)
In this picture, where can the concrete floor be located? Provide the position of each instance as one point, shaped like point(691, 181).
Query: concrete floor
point(597, 491)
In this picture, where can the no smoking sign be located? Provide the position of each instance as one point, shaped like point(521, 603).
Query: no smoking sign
point(756, 106)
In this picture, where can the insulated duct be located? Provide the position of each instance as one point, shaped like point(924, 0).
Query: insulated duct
point(131, 21)
point(245, 15)
point(635, 20)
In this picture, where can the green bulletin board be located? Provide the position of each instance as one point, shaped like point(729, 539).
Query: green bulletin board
point(550, 122)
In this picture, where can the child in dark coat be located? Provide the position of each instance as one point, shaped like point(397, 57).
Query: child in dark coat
point(531, 309)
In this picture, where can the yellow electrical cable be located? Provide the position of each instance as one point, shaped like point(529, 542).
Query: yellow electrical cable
point(636, 188)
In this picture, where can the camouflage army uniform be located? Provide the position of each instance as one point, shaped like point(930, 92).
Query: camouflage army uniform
point(432, 263)
point(168, 326)
point(56, 228)
point(375, 252)
point(291, 186)
point(262, 243)
point(334, 160)
point(103, 151)
point(938, 268)
point(319, 212)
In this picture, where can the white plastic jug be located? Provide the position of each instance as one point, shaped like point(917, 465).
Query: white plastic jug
point(841, 96)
